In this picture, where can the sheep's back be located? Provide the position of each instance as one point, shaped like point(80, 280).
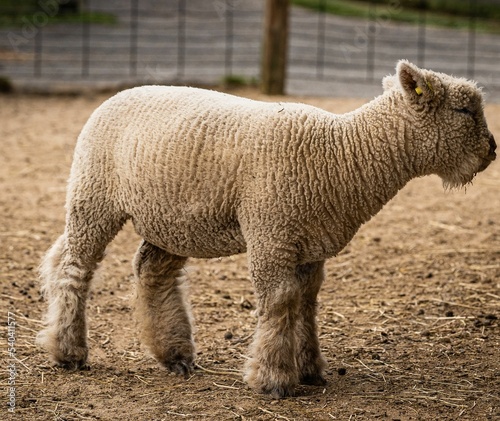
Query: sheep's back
point(180, 161)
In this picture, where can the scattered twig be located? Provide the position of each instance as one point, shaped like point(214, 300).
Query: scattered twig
point(365, 366)
point(274, 414)
point(223, 386)
point(185, 415)
point(21, 316)
point(449, 317)
point(141, 379)
point(10, 297)
point(449, 227)
point(229, 372)
point(452, 303)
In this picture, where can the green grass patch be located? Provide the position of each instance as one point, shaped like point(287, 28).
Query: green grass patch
point(441, 13)
point(17, 13)
point(237, 81)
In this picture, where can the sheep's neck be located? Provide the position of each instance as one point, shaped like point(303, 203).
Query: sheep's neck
point(371, 159)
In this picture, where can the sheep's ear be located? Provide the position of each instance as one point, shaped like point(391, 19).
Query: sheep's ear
point(414, 83)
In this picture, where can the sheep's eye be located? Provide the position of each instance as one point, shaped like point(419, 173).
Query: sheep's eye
point(464, 111)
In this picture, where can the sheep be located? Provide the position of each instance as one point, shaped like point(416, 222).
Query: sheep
point(205, 174)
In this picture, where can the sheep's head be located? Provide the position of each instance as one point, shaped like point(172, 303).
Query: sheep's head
point(447, 118)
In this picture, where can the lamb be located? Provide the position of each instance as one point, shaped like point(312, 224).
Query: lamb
point(206, 174)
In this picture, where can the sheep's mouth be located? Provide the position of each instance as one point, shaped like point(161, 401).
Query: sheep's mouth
point(493, 146)
point(485, 162)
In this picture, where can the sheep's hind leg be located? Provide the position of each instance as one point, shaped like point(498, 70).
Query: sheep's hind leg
point(65, 286)
point(272, 367)
point(162, 311)
point(66, 273)
point(310, 362)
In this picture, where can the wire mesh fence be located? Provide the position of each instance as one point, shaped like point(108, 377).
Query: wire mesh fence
point(197, 41)
point(150, 41)
point(362, 49)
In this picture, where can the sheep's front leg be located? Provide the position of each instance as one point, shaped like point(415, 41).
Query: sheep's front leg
point(162, 310)
point(310, 362)
point(272, 365)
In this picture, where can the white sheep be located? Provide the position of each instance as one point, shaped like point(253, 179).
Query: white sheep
point(205, 174)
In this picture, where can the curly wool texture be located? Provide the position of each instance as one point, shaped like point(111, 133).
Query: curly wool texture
point(206, 174)
point(201, 173)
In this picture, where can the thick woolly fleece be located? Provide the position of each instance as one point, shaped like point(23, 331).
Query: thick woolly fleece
point(206, 174)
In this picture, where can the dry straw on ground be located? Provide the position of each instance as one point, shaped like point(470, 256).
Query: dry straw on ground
point(408, 316)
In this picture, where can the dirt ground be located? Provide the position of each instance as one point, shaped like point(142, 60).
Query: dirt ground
point(408, 316)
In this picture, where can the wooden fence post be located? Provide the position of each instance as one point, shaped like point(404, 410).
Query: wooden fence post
point(274, 52)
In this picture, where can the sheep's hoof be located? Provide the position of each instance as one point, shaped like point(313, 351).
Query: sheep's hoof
point(180, 365)
point(313, 380)
point(278, 391)
point(62, 353)
point(73, 365)
point(278, 385)
point(76, 360)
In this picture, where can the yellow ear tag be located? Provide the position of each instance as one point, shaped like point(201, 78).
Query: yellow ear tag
point(429, 86)
point(418, 90)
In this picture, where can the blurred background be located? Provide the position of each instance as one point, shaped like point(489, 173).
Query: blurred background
point(334, 47)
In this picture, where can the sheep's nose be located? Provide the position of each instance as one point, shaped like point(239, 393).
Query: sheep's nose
point(493, 147)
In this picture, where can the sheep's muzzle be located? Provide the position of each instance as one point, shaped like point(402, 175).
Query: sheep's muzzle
point(491, 154)
point(486, 161)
